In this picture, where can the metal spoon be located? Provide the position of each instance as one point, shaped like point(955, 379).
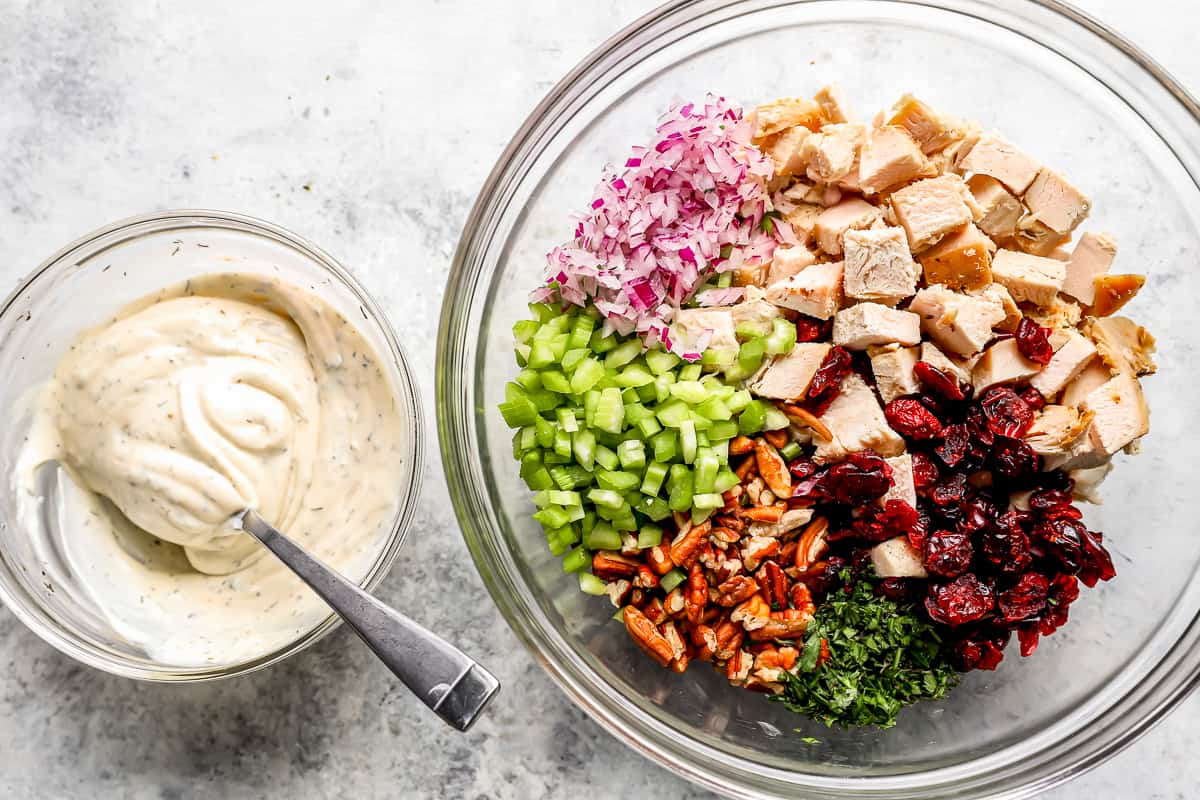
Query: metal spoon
point(442, 677)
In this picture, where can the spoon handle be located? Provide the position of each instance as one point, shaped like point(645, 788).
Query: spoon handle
point(438, 673)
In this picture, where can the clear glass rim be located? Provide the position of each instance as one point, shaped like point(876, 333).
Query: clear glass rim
point(26, 609)
point(1129, 717)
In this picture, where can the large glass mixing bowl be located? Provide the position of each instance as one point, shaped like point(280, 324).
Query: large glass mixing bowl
point(1068, 90)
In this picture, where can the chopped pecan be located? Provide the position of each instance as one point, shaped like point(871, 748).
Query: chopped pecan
point(802, 600)
point(653, 610)
point(735, 590)
point(705, 640)
point(732, 500)
point(637, 598)
point(812, 544)
point(729, 636)
point(754, 488)
point(727, 569)
point(788, 624)
point(766, 497)
point(756, 548)
point(685, 548)
point(608, 565)
point(768, 514)
point(629, 544)
point(675, 602)
point(773, 469)
point(618, 591)
point(752, 614)
point(725, 535)
point(659, 559)
point(783, 658)
point(775, 585)
point(787, 553)
point(746, 469)
point(645, 579)
point(823, 655)
point(647, 637)
point(671, 634)
point(777, 439)
point(741, 445)
point(739, 666)
point(729, 521)
point(805, 418)
point(697, 594)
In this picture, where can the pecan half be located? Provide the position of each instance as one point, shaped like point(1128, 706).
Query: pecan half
point(812, 544)
point(802, 600)
point(788, 624)
point(778, 439)
point(768, 514)
point(608, 565)
point(805, 418)
point(685, 548)
point(647, 637)
point(756, 548)
point(752, 614)
point(618, 591)
point(730, 636)
point(741, 445)
point(773, 469)
point(735, 590)
point(739, 666)
point(675, 602)
point(775, 584)
point(705, 640)
point(659, 559)
point(696, 597)
point(645, 578)
point(653, 610)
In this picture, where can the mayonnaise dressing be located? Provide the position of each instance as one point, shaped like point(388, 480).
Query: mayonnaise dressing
point(227, 392)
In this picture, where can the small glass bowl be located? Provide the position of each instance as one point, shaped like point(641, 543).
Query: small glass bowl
point(1076, 96)
point(84, 284)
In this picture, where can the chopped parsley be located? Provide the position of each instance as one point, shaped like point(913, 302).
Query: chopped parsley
point(767, 225)
point(882, 656)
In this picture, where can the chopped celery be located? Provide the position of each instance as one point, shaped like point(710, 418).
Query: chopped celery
point(750, 355)
point(660, 361)
point(544, 400)
point(738, 400)
point(575, 513)
point(521, 352)
point(590, 584)
point(690, 392)
point(570, 476)
point(564, 498)
point(541, 354)
point(591, 399)
point(782, 337)
point(649, 536)
point(610, 411)
point(662, 386)
point(726, 480)
point(562, 443)
point(633, 376)
point(602, 537)
point(606, 457)
point(543, 312)
point(576, 560)
point(519, 413)
point(790, 451)
point(725, 280)
point(529, 379)
point(707, 467)
point(648, 393)
point(649, 426)
point(672, 414)
point(581, 331)
point(707, 501)
point(753, 417)
point(680, 485)
point(713, 408)
point(691, 372)
point(586, 374)
point(524, 440)
point(583, 444)
point(672, 579)
point(606, 498)
point(617, 480)
point(556, 381)
point(654, 507)
point(523, 330)
point(653, 478)
point(572, 358)
point(622, 354)
point(552, 517)
point(632, 454)
point(687, 440)
point(775, 419)
point(602, 344)
point(665, 446)
point(722, 430)
point(557, 544)
point(567, 420)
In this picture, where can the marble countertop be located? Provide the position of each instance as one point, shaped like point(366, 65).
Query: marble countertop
point(367, 126)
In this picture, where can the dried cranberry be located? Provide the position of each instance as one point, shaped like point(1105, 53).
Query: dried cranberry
point(1005, 545)
point(925, 472)
point(1025, 599)
point(909, 418)
point(1097, 563)
point(939, 382)
point(1034, 341)
point(1028, 635)
point(919, 532)
point(947, 554)
point(962, 600)
point(809, 329)
point(901, 590)
point(1051, 502)
point(1064, 539)
point(950, 492)
point(1064, 590)
point(1007, 414)
point(897, 518)
point(978, 514)
point(826, 384)
point(861, 478)
point(980, 649)
point(955, 446)
point(803, 468)
point(1033, 398)
point(1014, 459)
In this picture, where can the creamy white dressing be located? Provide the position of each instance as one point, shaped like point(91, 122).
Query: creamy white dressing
point(227, 392)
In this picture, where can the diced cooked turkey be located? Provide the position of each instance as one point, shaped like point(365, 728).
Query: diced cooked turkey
point(786, 112)
point(1120, 410)
point(931, 208)
point(897, 558)
point(1087, 482)
point(1012, 312)
point(868, 324)
point(1037, 238)
point(1123, 345)
point(1090, 378)
point(1093, 256)
point(852, 214)
point(878, 265)
point(1000, 210)
point(787, 150)
point(1055, 201)
point(815, 291)
point(1002, 364)
point(829, 155)
point(1072, 353)
point(1061, 313)
point(935, 358)
point(754, 312)
point(903, 486)
point(692, 324)
point(787, 261)
point(930, 129)
point(1056, 428)
point(996, 156)
point(832, 101)
point(961, 323)
point(856, 421)
point(892, 366)
point(788, 376)
point(889, 158)
point(1028, 278)
point(960, 260)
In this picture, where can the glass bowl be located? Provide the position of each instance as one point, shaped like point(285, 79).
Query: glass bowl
point(83, 285)
point(1072, 93)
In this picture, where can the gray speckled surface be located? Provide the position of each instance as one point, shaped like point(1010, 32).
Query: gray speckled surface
point(367, 127)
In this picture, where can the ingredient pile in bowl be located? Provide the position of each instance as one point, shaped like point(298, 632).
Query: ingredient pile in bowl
point(812, 400)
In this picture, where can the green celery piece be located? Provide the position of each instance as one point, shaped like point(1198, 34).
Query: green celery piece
point(590, 584)
point(551, 458)
point(583, 445)
point(541, 354)
point(649, 536)
point(557, 544)
point(524, 329)
point(543, 312)
point(707, 501)
point(672, 579)
point(752, 418)
point(700, 514)
point(588, 522)
point(680, 482)
point(610, 411)
point(655, 508)
point(707, 467)
point(602, 344)
point(575, 513)
point(572, 358)
point(515, 391)
point(662, 386)
point(606, 498)
point(529, 379)
point(782, 337)
point(665, 445)
point(519, 413)
point(555, 381)
point(624, 520)
point(691, 372)
point(636, 412)
point(722, 431)
point(634, 376)
point(673, 413)
point(591, 399)
point(570, 476)
point(587, 373)
point(567, 420)
point(725, 280)
point(690, 392)
point(564, 498)
point(606, 458)
point(632, 454)
point(751, 354)
point(552, 517)
point(648, 427)
point(738, 400)
point(545, 431)
point(715, 409)
point(623, 354)
point(774, 419)
point(652, 479)
point(790, 451)
point(545, 400)
point(726, 480)
point(576, 560)
point(687, 441)
point(562, 443)
point(581, 331)
point(617, 480)
point(603, 537)
point(660, 361)
point(648, 393)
